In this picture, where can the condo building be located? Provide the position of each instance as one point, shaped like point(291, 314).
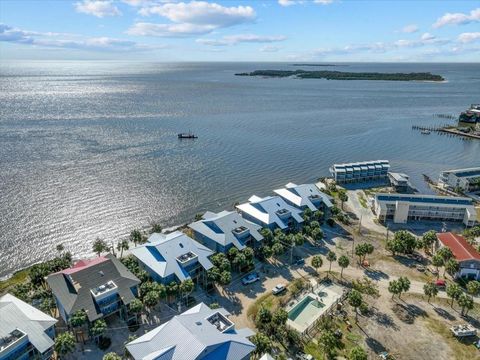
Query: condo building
point(467, 180)
point(402, 208)
point(360, 171)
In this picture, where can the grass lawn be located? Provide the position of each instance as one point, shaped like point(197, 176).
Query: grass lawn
point(17, 278)
point(349, 340)
point(362, 200)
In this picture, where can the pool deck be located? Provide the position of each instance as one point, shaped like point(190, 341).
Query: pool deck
point(328, 295)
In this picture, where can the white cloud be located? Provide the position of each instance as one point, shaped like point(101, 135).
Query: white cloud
point(202, 13)
point(296, 2)
point(469, 37)
point(241, 38)
point(410, 29)
point(47, 40)
point(168, 30)
point(193, 18)
point(458, 18)
point(269, 48)
point(98, 8)
point(427, 36)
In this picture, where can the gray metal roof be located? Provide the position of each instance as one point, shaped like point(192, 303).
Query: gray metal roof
point(161, 251)
point(190, 336)
point(16, 314)
point(300, 195)
point(72, 286)
point(219, 227)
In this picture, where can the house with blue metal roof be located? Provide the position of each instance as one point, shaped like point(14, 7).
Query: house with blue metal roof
point(271, 212)
point(402, 208)
point(199, 333)
point(173, 257)
point(25, 332)
point(305, 196)
point(220, 232)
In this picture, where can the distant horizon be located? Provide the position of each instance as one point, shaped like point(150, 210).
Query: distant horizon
point(242, 30)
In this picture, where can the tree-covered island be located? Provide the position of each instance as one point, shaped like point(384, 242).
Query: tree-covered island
point(340, 75)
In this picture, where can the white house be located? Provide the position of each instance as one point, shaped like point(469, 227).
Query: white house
point(271, 212)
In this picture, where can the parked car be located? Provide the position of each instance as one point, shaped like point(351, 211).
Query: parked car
point(421, 268)
point(250, 278)
point(440, 283)
point(279, 288)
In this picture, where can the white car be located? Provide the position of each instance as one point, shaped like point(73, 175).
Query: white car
point(278, 289)
point(250, 278)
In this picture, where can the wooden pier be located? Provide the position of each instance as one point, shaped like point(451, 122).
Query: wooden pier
point(447, 130)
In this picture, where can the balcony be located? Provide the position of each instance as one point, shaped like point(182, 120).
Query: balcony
point(241, 232)
point(220, 322)
point(187, 259)
point(283, 214)
point(104, 290)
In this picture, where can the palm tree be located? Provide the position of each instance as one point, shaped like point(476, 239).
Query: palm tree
point(355, 300)
point(451, 267)
point(454, 291)
point(343, 262)
point(395, 288)
point(466, 303)
point(437, 261)
point(121, 246)
point(342, 195)
point(98, 329)
point(357, 353)
point(135, 307)
point(156, 228)
point(99, 246)
point(331, 257)
point(136, 237)
point(60, 248)
point(64, 344)
point(111, 356)
point(186, 287)
point(317, 262)
point(430, 290)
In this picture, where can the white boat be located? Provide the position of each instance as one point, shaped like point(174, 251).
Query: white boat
point(463, 330)
point(426, 132)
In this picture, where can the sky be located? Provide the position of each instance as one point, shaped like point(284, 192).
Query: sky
point(273, 30)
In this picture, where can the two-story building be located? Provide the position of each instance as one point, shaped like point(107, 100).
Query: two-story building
point(199, 333)
point(25, 332)
point(101, 287)
point(174, 257)
point(468, 258)
point(467, 180)
point(220, 232)
point(271, 212)
point(305, 196)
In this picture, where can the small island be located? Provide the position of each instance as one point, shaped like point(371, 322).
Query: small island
point(305, 64)
point(340, 75)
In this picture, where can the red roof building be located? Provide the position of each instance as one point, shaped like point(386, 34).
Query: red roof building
point(461, 249)
point(467, 256)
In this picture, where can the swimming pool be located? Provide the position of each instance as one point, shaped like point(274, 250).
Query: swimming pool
point(306, 312)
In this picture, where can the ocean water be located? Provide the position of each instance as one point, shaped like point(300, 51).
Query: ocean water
point(89, 149)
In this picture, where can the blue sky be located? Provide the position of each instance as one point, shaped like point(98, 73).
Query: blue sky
point(275, 30)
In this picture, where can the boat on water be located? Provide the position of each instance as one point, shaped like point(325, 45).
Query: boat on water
point(426, 132)
point(188, 135)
